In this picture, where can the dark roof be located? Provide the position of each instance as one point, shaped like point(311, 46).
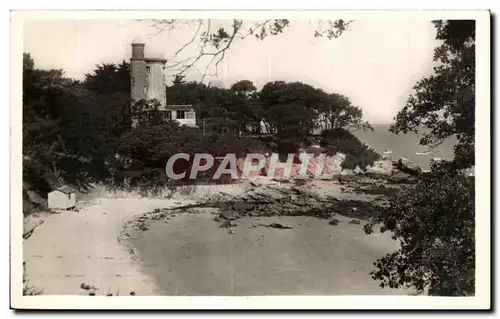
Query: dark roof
point(178, 107)
point(66, 189)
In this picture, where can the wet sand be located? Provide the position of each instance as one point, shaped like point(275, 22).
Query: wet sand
point(190, 255)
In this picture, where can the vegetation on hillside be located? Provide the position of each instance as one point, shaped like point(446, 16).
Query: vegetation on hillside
point(81, 132)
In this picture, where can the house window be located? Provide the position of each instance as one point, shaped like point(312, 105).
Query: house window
point(148, 69)
point(181, 115)
point(168, 115)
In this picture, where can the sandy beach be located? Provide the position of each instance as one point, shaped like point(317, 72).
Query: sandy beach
point(75, 247)
point(188, 254)
point(72, 248)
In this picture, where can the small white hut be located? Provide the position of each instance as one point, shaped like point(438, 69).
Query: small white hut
point(62, 198)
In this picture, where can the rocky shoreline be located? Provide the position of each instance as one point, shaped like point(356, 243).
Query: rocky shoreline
point(355, 196)
point(213, 246)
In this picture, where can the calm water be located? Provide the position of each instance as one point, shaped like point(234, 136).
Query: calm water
point(406, 145)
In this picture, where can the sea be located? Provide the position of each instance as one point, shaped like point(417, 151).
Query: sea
point(404, 145)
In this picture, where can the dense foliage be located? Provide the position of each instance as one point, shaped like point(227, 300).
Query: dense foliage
point(80, 132)
point(434, 220)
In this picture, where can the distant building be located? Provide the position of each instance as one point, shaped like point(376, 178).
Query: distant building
point(184, 114)
point(147, 77)
point(62, 198)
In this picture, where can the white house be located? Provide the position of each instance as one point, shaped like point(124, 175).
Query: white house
point(62, 198)
point(184, 114)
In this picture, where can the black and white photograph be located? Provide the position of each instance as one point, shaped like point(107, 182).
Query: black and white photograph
point(289, 155)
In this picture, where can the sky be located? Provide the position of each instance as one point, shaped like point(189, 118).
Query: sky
point(375, 63)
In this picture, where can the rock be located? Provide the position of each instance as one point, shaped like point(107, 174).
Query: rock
point(283, 180)
point(227, 224)
point(358, 170)
point(279, 226)
point(242, 207)
point(355, 221)
point(400, 177)
point(383, 167)
point(260, 181)
point(274, 225)
point(409, 167)
point(228, 215)
point(347, 172)
point(334, 222)
point(132, 293)
point(347, 175)
point(84, 286)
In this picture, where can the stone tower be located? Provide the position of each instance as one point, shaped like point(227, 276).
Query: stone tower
point(147, 75)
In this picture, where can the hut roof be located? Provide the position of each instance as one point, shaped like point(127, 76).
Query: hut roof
point(66, 189)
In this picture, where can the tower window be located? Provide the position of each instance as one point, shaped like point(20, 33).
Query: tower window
point(181, 115)
point(148, 69)
point(133, 80)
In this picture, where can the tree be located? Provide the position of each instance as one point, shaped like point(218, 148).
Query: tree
point(290, 121)
point(109, 78)
point(337, 112)
point(278, 99)
point(245, 107)
point(43, 92)
point(434, 220)
point(69, 132)
point(314, 108)
point(445, 101)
